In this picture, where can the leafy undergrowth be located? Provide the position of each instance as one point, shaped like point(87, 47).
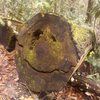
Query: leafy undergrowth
point(12, 89)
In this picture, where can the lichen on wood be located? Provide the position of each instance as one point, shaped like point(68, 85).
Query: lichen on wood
point(82, 36)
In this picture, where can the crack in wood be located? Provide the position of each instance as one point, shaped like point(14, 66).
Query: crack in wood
point(44, 71)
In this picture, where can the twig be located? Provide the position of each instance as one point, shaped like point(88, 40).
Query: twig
point(25, 85)
point(87, 50)
point(17, 21)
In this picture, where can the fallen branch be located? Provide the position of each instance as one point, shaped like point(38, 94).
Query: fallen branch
point(87, 50)
point(10, 19)
point(86, 85)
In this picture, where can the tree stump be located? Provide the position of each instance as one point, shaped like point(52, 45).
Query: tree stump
point(7, 37)
point(45, 53)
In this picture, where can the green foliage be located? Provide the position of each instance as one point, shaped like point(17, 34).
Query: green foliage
point(20, 9)
point(94, 60)
point(25, 9)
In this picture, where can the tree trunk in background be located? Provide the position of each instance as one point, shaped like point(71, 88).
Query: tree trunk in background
point(57, 6)
point(89, 8)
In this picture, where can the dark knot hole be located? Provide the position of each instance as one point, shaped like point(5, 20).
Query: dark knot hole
point(37, 34)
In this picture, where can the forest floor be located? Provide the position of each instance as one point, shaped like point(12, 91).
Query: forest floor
point(12, 89)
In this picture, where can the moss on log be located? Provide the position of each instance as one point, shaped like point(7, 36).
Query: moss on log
point(83, 36)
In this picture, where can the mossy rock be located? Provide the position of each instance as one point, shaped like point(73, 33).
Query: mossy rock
point(45, 53)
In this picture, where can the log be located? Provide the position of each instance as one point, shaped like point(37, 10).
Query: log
point(45, 53)
point(86, 85)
